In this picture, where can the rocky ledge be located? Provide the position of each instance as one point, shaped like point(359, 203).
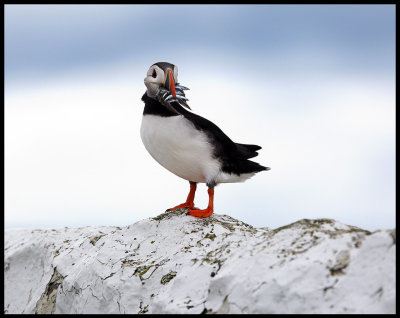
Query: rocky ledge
point(175, 263)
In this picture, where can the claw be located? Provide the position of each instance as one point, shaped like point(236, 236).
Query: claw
point(169, 97)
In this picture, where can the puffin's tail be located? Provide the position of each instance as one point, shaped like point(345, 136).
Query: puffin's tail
point(248, 166)
point(247, 151)
point(241, 164)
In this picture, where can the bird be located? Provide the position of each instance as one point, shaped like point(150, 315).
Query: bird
point(188, 145)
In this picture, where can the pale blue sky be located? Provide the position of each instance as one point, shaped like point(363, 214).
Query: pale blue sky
point(313, 85)
point(51, 38)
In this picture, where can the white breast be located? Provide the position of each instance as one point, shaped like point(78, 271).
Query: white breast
point(178, 146)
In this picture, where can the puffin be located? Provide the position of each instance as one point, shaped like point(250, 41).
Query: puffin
point(188, 145)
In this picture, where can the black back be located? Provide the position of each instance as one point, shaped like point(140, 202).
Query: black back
point(232, 155)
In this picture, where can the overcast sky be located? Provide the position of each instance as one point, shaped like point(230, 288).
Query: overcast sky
point(313, 85)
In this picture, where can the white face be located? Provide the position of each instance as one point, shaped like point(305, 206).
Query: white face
point(155, 78)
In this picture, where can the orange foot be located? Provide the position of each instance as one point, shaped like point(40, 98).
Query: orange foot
point(189, 201)
point(186, 205)
point(201, 213)
point(206, 212)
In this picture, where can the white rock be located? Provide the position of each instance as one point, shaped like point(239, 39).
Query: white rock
point(176, 263)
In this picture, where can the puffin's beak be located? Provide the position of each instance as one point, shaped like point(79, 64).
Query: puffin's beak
point(169, 82)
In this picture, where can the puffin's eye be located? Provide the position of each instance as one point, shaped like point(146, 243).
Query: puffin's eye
point(154, 74)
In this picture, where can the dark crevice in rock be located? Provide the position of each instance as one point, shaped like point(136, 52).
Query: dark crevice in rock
point(206, 311)
point(47, 302)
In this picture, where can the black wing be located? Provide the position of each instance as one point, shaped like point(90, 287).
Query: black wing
point(234, 156)
point(224, 145)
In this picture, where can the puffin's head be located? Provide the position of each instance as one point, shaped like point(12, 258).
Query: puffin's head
point(162, 84)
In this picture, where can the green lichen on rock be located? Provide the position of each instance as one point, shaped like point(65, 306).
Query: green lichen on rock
point(210, 236)
point(212, 261)
point(141, 270)
point(144, 309)
point(161, 216)
point(317, 225)
point(307, 222)
point(228, 226)
point(168, 214)
point(129, 262)
point(94, 239)
point(168, 277)
point(216, 256)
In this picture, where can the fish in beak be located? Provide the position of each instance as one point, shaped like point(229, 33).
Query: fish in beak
point(169, 82)
point(170, 91)
point(162, 84)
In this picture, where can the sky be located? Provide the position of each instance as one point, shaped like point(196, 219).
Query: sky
point(314, 85)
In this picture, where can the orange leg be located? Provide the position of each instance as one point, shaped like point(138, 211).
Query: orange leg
point(207, 212)
point(189, 201)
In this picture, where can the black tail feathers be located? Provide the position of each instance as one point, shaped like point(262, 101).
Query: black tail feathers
point(248, 166)
point(241, 164)
point(247, 151)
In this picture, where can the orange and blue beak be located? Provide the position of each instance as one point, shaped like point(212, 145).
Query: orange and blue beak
point(169, 82)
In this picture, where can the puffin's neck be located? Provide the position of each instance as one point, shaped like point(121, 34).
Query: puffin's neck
point(154, 107)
